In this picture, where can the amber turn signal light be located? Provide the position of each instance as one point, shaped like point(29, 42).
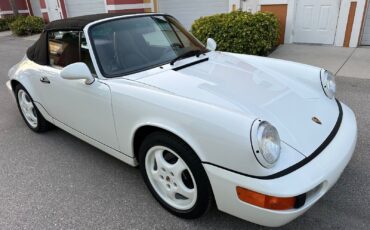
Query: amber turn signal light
point(265, 201)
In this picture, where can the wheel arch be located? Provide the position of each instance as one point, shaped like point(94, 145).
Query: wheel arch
point(25, 81)
point(143, 131)
point(14, 84)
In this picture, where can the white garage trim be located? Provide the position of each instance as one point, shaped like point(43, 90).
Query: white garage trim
point(356, 30)
point(130, 6)
point(342, 22)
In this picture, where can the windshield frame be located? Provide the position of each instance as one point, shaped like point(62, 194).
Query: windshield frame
point(95, 56)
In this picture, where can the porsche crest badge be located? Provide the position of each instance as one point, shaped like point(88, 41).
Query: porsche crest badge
point(316, 120)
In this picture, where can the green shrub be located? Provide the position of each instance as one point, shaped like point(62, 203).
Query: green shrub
point(5, 22)
point(27, 25)
point(239, 32)
point(3, 25)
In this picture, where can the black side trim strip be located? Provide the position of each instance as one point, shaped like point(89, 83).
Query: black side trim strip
point(302, 162)
point(190, 64)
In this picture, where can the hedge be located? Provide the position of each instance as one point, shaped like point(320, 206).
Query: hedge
point(27, 25)
point(5, 22)
point(239, 32)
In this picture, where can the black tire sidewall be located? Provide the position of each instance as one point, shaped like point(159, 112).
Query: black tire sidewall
point(40, 118)
point(204, 191)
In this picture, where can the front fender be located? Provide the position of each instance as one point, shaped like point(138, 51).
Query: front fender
point(217, 135)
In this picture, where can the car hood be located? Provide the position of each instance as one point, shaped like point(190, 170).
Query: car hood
point(259, 92)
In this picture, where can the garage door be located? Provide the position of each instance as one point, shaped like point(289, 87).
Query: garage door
point(186, 11)
point(84, 7)
point(366, 34)
point(316, 21)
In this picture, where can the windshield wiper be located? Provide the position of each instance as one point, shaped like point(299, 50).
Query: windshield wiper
point(188, 54)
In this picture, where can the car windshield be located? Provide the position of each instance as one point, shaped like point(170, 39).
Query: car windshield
point(128, 45)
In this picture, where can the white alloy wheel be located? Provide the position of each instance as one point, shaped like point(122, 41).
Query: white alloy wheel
point(27, 108)
point(171, 177)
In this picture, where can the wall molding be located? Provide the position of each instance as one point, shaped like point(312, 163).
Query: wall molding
point(11, 12)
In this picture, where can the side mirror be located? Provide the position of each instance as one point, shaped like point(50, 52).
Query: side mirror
point(77, 71)
point(211, 44)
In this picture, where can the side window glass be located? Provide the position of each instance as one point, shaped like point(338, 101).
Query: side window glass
point(85, 54)
point(63, 48)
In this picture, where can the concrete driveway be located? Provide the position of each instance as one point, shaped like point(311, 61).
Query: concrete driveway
point(345, 62)
point(56, 181)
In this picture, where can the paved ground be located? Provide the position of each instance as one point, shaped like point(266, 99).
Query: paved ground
point(345, 62)
point(55, 181)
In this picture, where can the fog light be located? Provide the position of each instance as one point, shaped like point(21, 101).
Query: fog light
point(265, 201)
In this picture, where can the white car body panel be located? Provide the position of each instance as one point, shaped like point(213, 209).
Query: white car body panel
point(211, 106)
point(314, 178)
point(231, 83)
point(191, 121)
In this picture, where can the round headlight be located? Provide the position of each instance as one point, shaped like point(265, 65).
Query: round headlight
point(328, 84)
point(266, 144)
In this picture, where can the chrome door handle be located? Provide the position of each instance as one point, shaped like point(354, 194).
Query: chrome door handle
point(45, 80)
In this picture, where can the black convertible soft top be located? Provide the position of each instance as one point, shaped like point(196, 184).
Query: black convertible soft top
point(38, 52)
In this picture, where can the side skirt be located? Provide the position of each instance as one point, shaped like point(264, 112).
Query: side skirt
point(120, 156)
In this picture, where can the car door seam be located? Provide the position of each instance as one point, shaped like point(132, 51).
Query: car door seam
point(111, 107)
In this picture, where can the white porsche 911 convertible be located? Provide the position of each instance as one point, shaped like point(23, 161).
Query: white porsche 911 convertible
point(261, 138)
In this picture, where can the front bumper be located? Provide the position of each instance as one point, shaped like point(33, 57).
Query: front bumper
point(313, 179)
point(9, 86)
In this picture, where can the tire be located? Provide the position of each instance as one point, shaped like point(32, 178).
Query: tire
point(32, 117)
point(179, 183)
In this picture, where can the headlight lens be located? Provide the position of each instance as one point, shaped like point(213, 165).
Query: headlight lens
point(268, 141)
point(328, 84)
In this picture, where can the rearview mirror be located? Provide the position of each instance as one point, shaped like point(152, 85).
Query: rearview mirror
point(211, 44)
point(76, 71)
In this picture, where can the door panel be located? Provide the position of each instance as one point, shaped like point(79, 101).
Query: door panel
point(316, 21)
point(324, 18)
point(85, 108)
point(308, 17)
